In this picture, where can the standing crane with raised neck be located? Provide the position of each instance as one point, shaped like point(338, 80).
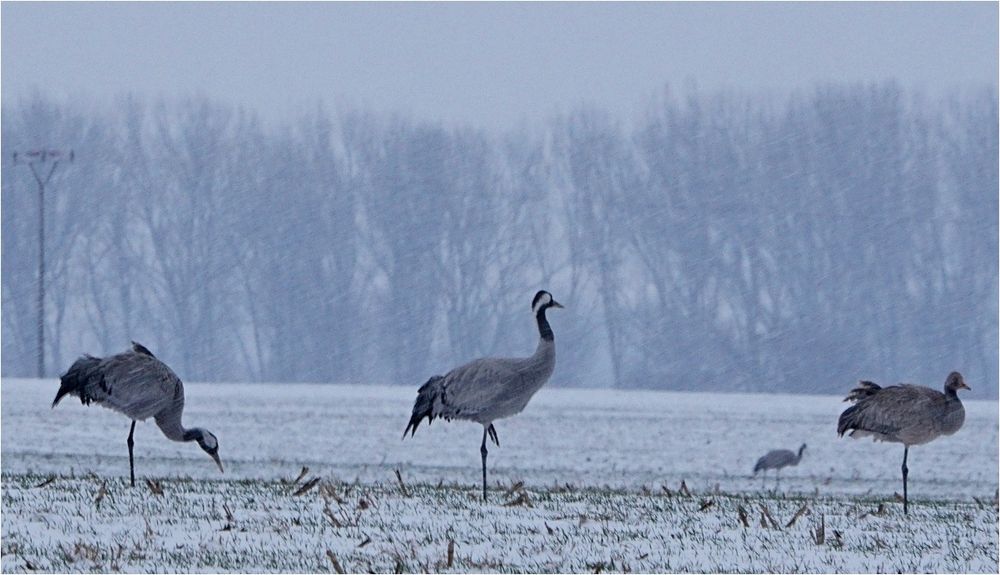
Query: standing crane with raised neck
point(490, 388)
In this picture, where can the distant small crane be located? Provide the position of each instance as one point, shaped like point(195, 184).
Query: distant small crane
point(907, 414)
point(138, 385)
point(777, 459)
point(489, 388)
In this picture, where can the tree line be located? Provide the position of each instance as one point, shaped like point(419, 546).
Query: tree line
point(719, 241)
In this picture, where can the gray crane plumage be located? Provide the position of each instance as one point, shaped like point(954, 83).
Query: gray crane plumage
point(777, 459)
point(138, 385)
point(491, 388)
point(907, 414)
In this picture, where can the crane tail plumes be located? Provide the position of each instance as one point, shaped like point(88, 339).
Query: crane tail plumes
point(424, 405)
point(848, 420)
point(82, 373)
point(863, 390)
point(855, 419)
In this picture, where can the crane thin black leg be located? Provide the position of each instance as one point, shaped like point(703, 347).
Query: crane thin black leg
point(906, 471)
point(131, 460)
point(483, 451)
point(493, 434)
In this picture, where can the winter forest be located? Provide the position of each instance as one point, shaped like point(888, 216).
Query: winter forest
point(720, 241)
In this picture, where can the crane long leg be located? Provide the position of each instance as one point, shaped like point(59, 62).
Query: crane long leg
point(483, 451)
point(131, 460)
point(493, 434)
point(906, 471)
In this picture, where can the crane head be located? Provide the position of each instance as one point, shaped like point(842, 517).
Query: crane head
point(210, 445)
point(955, 382)
point(542, 301)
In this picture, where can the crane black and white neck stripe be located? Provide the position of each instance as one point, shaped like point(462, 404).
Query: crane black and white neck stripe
point(490, 388)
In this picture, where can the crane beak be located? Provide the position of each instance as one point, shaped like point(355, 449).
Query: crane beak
point(963, 386)
point(557, 304)
point(218, 462)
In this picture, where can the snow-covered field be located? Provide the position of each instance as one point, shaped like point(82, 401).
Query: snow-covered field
point(601, 473)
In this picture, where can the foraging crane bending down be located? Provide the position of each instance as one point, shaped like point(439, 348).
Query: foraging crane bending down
point(777, 459)
point(489, 388)
point(139, 386)
point(907, 414)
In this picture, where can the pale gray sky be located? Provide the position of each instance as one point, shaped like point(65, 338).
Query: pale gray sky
point(486, 64)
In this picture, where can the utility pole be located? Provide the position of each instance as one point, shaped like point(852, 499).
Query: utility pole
point(41, 158)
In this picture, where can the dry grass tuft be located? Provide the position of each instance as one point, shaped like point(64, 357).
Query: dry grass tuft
point(46, 482)
point(336, 564)
point(522, 499)
point(305, 488)
point(101, 493)
point(819, 534)
point(514, 488)
point(742, 513)
point(802, 510)
point(154, 486)
point(302, 474)
point(684, 489)
point(766, 513)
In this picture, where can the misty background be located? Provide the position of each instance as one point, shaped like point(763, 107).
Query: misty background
point(704, 235)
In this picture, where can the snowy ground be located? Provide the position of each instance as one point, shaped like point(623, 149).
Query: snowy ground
point(594, 465)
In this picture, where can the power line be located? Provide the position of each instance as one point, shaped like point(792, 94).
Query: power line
point(36, 160)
